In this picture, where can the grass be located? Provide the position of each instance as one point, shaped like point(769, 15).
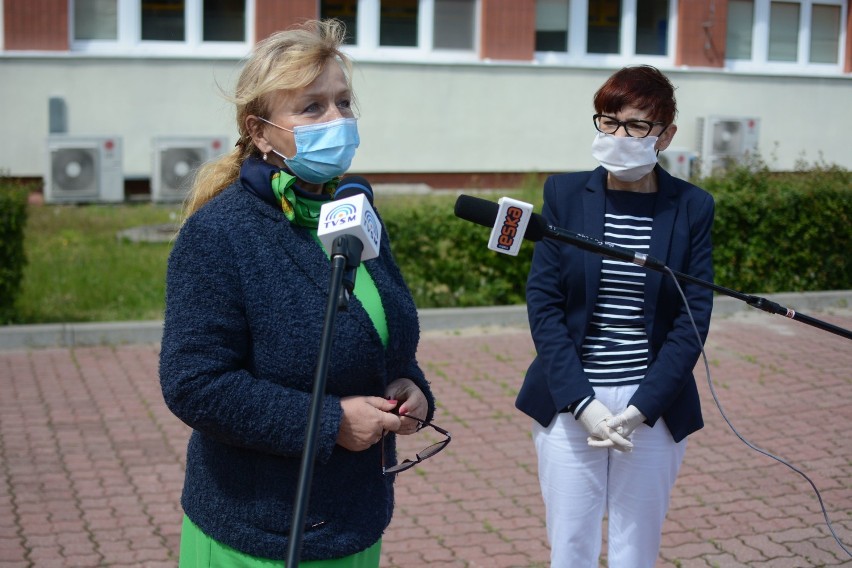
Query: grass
point(78, 270)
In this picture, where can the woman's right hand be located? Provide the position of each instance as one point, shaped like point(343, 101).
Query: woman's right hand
point(364, 420)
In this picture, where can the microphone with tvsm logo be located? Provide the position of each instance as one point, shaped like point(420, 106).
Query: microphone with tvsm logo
point(350, 231)
point(351, 213)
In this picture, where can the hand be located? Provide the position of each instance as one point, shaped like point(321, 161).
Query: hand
point(412, 402)
point(626, 422)
point(594, 419)
point(364, 420)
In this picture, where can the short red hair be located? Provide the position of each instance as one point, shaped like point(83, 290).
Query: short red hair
point(643, 87)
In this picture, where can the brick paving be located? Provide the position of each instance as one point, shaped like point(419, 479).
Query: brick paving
point(91, 461)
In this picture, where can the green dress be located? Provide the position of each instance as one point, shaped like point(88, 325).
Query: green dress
point(197, 550)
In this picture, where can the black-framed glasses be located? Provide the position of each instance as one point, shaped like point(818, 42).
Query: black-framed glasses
point(421, 455)
point(633, 128)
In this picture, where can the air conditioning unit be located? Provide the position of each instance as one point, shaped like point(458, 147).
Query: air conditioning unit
point(724, 140)
point(175, 161)
point(677, 162)
point(83, 169)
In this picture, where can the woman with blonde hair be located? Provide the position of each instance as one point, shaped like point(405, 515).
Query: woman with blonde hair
point(247, 286)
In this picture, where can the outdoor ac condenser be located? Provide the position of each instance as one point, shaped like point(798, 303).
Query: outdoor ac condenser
point(83, 169)
point(175, 161)
point(677, 162)
point(726, 140)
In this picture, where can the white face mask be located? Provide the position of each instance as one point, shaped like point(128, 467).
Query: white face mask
point(627, 159)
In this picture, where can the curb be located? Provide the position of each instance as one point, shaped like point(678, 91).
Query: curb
point(66, 335)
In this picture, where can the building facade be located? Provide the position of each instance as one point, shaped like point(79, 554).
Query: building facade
point(451, 93)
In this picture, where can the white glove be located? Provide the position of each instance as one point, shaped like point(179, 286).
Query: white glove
point(626, 422)
point(594, 419)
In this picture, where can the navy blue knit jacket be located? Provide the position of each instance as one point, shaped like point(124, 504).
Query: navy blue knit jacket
point(245, 307)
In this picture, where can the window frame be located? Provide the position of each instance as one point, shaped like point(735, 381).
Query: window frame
point(759, 61)
point(368, 48)
point(130, 43)
point(577, 56)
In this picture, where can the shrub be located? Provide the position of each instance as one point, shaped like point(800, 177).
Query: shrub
point(13, 218)
point(774, 232)
point(782, 232)
point(446, 261)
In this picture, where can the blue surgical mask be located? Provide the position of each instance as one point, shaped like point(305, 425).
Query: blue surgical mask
point(323, 151)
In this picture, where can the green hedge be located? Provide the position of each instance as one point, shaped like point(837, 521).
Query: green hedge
point(782, 233)
point(446, 261)
point(773, 233)
point(13, 218)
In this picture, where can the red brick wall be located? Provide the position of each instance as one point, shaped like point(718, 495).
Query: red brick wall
point(701, 33)
point(848, 67)
point(508, 29)
point(275, 15)
point(35, 24)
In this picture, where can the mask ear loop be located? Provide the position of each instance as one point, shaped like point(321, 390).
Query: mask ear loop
point(269, 122)
point(666, 127)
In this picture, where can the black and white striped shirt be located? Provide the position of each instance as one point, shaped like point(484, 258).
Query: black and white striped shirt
point(615, 351)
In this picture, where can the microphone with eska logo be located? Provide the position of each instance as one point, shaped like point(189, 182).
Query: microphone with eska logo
point(351, 213)
point(512, 220)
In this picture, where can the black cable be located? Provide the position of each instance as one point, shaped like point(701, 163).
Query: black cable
point(734, 430)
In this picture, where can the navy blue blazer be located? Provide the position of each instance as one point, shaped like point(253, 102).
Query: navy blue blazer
point(562, 290)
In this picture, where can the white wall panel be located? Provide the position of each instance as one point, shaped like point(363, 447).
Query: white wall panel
point(414, 117)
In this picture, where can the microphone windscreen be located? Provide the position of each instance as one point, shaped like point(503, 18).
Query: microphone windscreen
point(537, 228)
point(484, 212)
point(476, 210)
point(354, 185)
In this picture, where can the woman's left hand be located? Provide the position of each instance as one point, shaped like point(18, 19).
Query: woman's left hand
point(412, 402)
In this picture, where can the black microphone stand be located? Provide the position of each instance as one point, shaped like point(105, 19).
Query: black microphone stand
point(345, 258)
point(591, 244)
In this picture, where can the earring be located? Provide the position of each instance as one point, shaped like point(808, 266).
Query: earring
point(264, 156)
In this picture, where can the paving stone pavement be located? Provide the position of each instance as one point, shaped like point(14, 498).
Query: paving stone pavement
point(91, 460)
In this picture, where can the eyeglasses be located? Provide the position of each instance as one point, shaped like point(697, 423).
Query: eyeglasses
point(420, 456)
point(633, 128)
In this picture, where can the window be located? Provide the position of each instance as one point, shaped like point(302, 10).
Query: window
point(609, 32)
point(825, 34)
point(95, 19)
point(173, 27)
point(347, 12)
point(652, 26)
point(604, 29)
point(408, 29)
point(224, 20)
point(454, 24)
point(398, 23)
point(163, 20)
point(739, 32)
point(783, 31)
point(785, 36)
point(551, 25)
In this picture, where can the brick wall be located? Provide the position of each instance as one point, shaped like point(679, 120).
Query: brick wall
point(848, 67)
point(508, 29)
point(275, 15)
point(35, 25)
point(701, 33)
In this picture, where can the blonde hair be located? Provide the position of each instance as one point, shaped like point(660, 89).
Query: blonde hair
point(286, 60)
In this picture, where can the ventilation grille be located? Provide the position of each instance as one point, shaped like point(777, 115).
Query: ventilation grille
point(83, 169)
point(726, 141)
point(176, 161)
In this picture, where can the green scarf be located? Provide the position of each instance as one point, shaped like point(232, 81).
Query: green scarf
point(299, 210)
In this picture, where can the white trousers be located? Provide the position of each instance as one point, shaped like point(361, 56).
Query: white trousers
point(580, 484)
